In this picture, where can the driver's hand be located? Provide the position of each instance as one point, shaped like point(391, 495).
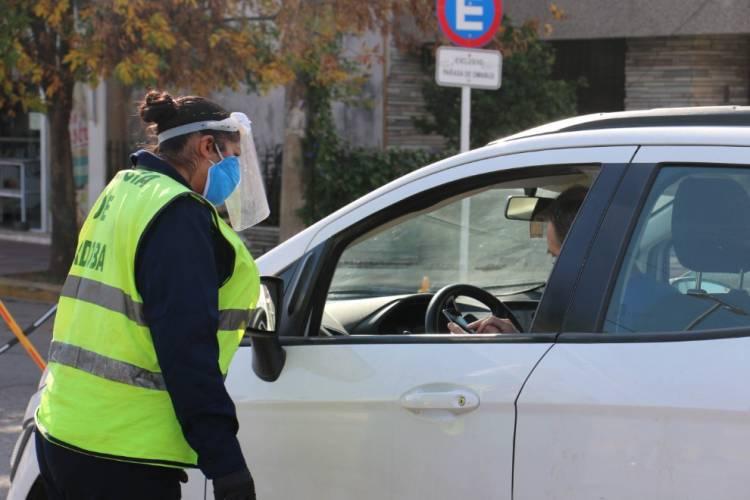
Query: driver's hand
point(490, 324)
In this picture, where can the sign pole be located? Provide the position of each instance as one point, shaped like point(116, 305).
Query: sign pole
point(463, 251)
point(472, 24)
point(465, 117)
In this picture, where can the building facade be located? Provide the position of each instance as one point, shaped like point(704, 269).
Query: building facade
point(660, 53)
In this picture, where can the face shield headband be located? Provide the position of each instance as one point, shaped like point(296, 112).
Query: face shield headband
point(247, 205)
point(230, 124)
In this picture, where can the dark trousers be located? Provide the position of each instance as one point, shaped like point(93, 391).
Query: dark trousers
point(69, 475)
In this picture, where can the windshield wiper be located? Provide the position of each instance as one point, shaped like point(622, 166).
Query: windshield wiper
point(719, 304)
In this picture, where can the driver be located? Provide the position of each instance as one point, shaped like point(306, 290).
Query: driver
point(559, 216)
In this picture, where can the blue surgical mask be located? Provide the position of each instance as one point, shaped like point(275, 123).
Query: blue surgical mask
point(223, 178)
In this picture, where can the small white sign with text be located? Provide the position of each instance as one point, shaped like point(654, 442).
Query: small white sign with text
point(475, 68)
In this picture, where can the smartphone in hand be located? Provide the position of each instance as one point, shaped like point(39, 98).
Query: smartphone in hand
point(460, 321)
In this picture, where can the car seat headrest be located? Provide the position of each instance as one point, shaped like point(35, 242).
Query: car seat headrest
point(711, 225)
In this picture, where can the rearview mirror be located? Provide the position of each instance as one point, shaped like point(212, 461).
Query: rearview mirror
point(526, 208)
point(268, 355)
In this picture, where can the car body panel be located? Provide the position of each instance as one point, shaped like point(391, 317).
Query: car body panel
point(636, 414)
point(668, 420)
point(719, 155)
point(26, 471)
point(26, 475)
point(334, 426)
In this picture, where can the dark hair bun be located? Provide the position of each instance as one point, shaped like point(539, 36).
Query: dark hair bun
point(158, 107)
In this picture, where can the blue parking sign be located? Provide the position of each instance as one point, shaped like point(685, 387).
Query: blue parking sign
point(469, 23)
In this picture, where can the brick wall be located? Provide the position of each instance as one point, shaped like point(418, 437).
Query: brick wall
point(404, 102)
point(687, 71)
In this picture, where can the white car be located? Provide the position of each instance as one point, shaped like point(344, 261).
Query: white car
point(630, 378)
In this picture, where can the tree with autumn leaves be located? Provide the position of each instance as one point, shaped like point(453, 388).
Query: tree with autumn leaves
point(46, 46)
point(196, 45)
point(49, 45)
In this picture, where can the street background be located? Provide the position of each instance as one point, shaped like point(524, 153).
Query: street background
point(19, 377)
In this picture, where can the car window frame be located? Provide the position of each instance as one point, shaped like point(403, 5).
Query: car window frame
point(322, 264)
point(584, 319)
point(416, 203)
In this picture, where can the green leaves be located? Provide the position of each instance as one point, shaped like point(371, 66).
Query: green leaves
point(337, 173)
point(20, 73)
point(345, 174)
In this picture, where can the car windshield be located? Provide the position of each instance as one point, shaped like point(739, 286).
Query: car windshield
point(464, 241)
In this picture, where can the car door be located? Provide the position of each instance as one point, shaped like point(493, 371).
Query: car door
point(645, 393)
point(397, 414)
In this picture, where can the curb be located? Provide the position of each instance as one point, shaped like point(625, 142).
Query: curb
point(29, 290)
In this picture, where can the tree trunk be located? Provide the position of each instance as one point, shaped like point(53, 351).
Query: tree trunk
point(292, 165)
point(64, 223)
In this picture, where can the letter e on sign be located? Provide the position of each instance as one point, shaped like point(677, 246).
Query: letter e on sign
point(469, 23)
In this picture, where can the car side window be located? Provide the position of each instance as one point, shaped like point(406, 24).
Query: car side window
point(384, 280)
point(466, 240)
point(687, 263)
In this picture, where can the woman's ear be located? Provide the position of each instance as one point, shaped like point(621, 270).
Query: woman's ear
point(205, 147)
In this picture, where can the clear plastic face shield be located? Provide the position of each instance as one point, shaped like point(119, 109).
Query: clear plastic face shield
point(247, 205)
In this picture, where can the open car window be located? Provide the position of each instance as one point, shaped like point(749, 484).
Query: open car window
point(424, 253)
point(464, 239)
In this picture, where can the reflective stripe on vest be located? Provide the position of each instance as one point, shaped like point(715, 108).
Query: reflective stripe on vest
point(105, 296)
point(102, 366)
point(116, 300)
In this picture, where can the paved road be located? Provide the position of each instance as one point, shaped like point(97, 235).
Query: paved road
point(19, 377)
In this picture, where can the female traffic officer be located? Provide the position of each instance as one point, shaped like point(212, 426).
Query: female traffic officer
point(150, 315)
point(559, 215)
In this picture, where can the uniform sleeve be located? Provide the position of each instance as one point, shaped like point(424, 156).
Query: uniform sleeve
point(177, 277)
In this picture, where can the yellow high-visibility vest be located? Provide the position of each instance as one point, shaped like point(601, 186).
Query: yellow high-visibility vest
point(105, 394)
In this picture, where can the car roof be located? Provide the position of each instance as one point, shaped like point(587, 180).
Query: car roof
point(707, 116)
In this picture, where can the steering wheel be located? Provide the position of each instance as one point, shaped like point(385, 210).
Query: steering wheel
point(444, 299)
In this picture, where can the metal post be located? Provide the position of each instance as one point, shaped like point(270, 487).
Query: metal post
point(22, 173)
point(465, 117)
point(44, 168)
point(466, 203)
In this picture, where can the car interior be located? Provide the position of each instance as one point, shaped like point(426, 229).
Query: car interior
point(686, 265)
point(395, 279)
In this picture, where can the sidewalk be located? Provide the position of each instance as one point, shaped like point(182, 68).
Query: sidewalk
point(17, 261)
point(19, 257)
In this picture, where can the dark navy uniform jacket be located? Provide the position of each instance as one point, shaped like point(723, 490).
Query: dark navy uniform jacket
point(181, 262)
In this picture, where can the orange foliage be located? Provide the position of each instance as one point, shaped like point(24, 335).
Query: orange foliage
point(204, 45)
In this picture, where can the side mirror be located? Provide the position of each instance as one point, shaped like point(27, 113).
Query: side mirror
point(526, 208)
point(268, 355)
